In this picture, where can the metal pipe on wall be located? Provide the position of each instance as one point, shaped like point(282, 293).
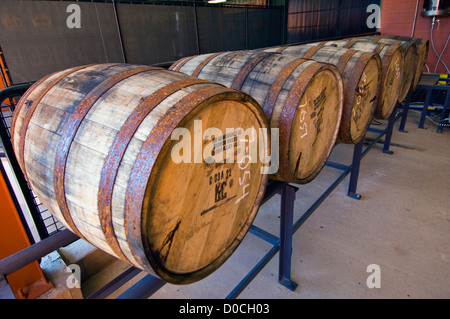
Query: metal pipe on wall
point(119, 32)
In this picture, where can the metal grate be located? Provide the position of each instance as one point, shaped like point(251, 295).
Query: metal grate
point(45, 223)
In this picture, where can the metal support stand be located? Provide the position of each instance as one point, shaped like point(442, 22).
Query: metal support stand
point(429, 83)
point(425, 108)
point(282, 244)
point(405, 113)
point(388, 133)
point(287, 228)
point(356, 163)
point(286, 231)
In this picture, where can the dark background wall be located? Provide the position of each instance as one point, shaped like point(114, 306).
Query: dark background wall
point(35, 39)
point(309, 20)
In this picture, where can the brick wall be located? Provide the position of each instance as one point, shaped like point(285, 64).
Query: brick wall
point(397, 18)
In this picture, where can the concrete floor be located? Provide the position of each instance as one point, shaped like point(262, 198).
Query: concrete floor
point(401, 224)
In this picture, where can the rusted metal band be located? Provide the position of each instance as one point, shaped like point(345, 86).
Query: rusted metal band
point(310, 53)
point(142, 169)
point(174, 64)
point(349, 44)
point(275, 89)
point(30, 112)
point(180, 63)
point(22, 103)
point(287, 117)
point(344, 59)
point(117, 151)
point(281, 49)
point(379, 47)
point(200, 67)
point(393, 48)
point(69, 133)
point(247, 68)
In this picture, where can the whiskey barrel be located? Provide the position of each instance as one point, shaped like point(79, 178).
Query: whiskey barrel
point(392, 71)
point(410, 58)
point(100, 146)
point(422, 53)
point(361, 76)
point(301, 98)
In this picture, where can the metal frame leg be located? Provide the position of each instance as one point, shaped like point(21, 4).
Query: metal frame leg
point(405, 113)
point(282, 244)
point(286, 231)
point(389, 130)
point(354, 173)
point(425, 108)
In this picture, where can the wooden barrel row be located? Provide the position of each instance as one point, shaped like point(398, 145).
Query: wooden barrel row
point(361, 75)
point(410, 63)
point(422, 46)
point(302, 98)
point(95, 145)
point(415, 53)
point(410, 57)
point(392, 68)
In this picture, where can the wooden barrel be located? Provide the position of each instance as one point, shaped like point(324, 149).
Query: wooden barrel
point(392, 71)
point(410, 58)
point(301, 98)
point(361, 76)
point(97, 145)
point(422, 53)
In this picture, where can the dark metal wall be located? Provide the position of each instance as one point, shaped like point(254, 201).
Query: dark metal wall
point(36, 40)
point(309, 20)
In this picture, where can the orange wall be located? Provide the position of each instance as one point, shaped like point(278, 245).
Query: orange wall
point(397, 18)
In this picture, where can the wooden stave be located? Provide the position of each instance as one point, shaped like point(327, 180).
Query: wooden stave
point(149, 266)
point(312, 51)
point(197, 66)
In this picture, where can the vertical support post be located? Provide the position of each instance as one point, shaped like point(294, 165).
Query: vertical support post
point(354, 173)
point(286, 231)
point(425, 107)
point(405, 113)
point(389, 130)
